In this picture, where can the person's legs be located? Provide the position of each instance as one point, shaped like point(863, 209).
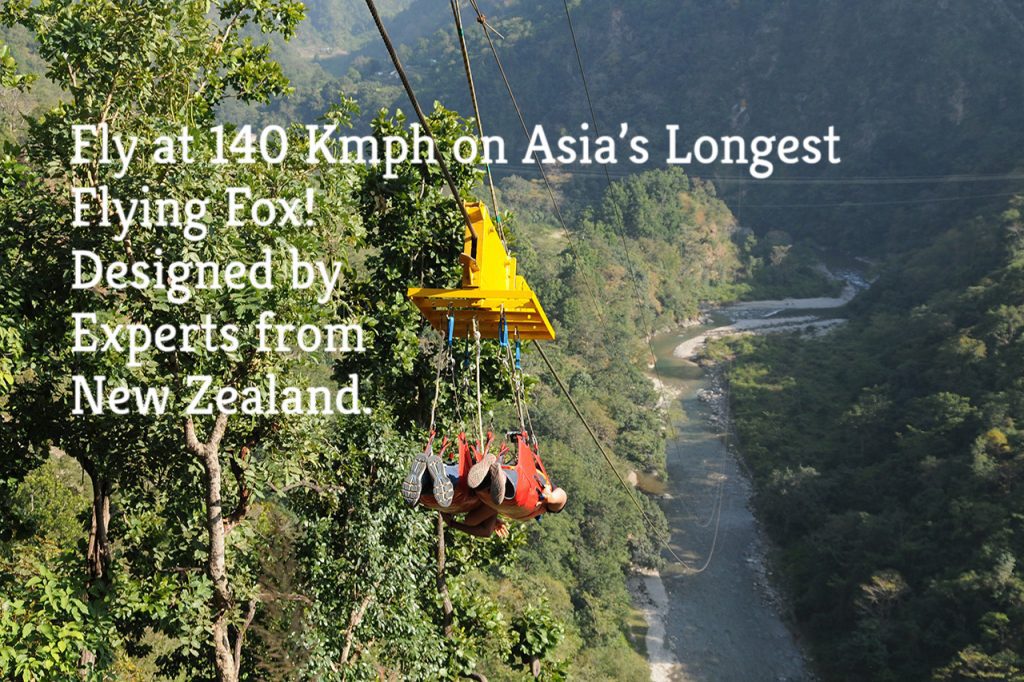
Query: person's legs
point(480, 469)
point(523, 471)
point(488, 468)
point(484, 460)
point(480, 523)
point(427, 464)
point(412, 486)
point(498, 478)
point(505, 479)
point(444, 488)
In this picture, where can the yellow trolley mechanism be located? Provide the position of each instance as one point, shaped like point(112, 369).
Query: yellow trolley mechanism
point(490, 290)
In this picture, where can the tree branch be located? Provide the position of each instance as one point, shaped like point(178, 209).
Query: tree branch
point(308, 485)
point(240, 637)
point(182, 569)
point(244, 491)
point(273, 595)
point(353, 622)
point(442, 582)
point(220, 426)
point(109, 101)
point(222, 39)
point(190, 437)
point(71, 74)
point(238, 466)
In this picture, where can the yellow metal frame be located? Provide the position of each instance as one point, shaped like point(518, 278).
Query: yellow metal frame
point(490, 287)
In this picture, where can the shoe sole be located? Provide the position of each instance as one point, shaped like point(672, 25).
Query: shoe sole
point(478, 472)
point(444, 491)
point(412, 486)
point(497, 482)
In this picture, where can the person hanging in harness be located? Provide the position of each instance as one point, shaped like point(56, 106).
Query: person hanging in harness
point(521, 491)
point(449, 483)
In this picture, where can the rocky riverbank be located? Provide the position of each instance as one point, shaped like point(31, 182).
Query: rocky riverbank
point(719, 617)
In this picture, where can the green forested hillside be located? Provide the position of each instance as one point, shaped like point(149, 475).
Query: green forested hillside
point(916, 91)
point(887, 462)
point(885, 456)
point(17, 44)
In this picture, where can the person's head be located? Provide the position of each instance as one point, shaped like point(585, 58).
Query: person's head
point(556, 500)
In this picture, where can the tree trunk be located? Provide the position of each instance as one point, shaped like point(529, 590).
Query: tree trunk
point(442, 582)
point(353, 622)
point(97, 553)
point(216, 569)
point(222, 602)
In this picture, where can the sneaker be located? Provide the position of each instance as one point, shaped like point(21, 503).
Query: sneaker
point(497, 482)
point(412, 486)
point(479, 471)
point(443, 488)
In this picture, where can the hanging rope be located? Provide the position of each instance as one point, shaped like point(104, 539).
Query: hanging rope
point(529, 424)
point(515, 378)
point(717, 513)
point(619, 222)
point(455, 391)
point(619, 225)
point(441, 362)
point(479, 401)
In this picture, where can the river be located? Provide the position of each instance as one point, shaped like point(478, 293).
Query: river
point(723, 623)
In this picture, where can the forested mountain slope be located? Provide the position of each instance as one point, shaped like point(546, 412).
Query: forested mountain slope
point(887, 459)
point(884, 456)
point(915, 90)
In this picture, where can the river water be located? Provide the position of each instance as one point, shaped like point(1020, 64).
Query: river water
point(717, 619)
point(722, 623)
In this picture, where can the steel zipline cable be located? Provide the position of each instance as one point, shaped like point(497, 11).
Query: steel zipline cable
point(457, 15)
point(456, 196)
point(482, 20)
point(956, 178)
point(619, 225)
point(632, 496)
point(451, 183)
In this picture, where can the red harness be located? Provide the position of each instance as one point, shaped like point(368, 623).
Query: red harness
point(528, 502)
point(532, 477)
point(464, 500)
